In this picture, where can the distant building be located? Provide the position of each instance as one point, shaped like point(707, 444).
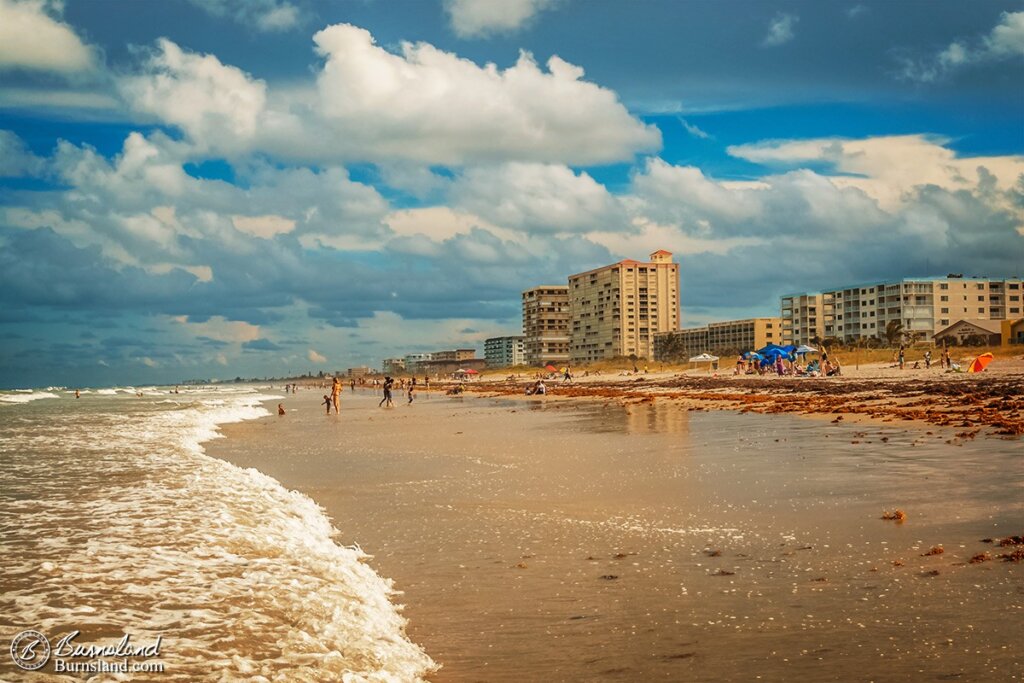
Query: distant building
point(393, 366)
point(546, 325)
point(441, 368)
point(503, 352)
point(720, 338)
point(361, 371)
point(413, 360)
point(921, 306)
point(616, 310)
point(971, 332)
point(458, 354)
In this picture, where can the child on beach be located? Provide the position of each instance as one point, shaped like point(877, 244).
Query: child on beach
point(280, 409)
point(328, 403)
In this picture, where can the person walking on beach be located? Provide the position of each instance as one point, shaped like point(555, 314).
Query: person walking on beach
point(927, 360)
point(902, 357)
point(387, 401)
point(567, 376)
point(335, 394)
point(328, 402)
point(412, 391)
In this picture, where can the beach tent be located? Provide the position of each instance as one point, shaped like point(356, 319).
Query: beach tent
point(471, 371)
point(704, 358)
point(980, 363)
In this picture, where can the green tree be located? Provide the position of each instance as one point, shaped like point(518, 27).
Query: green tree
point(894, 332)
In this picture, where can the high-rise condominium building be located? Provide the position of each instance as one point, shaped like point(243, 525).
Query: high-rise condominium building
point(922, 306)
point(546, 325)
point(616, 310)
point(502, 352)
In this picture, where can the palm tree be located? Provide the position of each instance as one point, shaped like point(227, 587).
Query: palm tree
point(894, 332)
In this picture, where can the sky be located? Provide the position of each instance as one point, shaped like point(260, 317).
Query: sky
point(220, 188)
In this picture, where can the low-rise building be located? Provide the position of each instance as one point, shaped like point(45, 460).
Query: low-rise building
point(457, 354)
point(393, 366)
point(1012, 331)
point(361, 371)
point(413, 360)
point(502, 352)
point(719, 338)
point(971, 333)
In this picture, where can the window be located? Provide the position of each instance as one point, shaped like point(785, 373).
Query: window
point(981, 298)
point(943, 298)
point(981, 310)
point(943, 285)
point(945, 310)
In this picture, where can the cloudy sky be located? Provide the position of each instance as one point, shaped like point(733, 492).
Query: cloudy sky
point(212, 188)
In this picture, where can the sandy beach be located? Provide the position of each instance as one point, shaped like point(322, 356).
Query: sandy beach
point(619, 538)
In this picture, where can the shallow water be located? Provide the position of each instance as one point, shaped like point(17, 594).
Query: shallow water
point(581, 541)
point(116, 522)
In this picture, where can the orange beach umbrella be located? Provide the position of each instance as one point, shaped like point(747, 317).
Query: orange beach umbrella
point(980, 363)
point(551, 368)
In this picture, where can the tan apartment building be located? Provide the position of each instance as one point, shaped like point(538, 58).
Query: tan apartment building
point(922, 306)
point(720, 338)
point(456, 355)
point(616, 310)
point(546, 325)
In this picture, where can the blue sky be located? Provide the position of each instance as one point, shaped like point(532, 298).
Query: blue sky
point(220, 188)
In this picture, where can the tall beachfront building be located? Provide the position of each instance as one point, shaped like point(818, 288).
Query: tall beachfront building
point(923, 306)
point(546, 325)
point(616, 310)
point(503, 352)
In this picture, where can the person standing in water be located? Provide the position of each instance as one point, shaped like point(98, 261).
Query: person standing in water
point(328, 401)
point(412, 391)
point(280, 409)
point(335, 394)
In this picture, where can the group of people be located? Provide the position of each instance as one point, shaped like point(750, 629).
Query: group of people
point(782, 366)
point(900, 359)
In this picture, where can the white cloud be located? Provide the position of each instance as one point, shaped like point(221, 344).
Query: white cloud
point(16, 160)
point(369, 104)
point(218, 327)
point(1004, 41)
point(693, 129)
point(476, 18)
point(218, 106)
point(315, 357)
point(33, 37)
point(263, 226)
point(888, 167)
point(263, 15)
point(780, 30)
point(537, 198)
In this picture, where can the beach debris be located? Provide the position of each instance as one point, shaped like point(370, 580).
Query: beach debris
point(897, 563)
point(619, 556)
point(821, 579)
point(713, 553)
point(930, 572)
point(609, 577)
point(979, 558)
point(1016, 556)
point(1011, 540)
point(896, 515)
point(591, 558)
point(723, 572)
point(935, 550)
point(521, 565)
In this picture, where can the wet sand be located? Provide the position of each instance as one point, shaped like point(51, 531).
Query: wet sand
point(583, 540)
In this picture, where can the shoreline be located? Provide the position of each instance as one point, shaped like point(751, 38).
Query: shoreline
point(529, 539)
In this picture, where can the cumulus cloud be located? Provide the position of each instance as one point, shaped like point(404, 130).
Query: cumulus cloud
point(887, 167)
point(369, 104)
point(780, 30)
point(32, 36)
point(16, 160)
point(537, 198)
point(1004, 41)
point(315, 357)
point(476, 18)
point(218, 106)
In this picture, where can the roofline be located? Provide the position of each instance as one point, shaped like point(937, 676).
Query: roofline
point(906, 280)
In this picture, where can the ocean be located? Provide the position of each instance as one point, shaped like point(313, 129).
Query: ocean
point(115, 521)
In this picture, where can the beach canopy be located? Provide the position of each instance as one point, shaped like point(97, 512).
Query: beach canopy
point(753, 354)
point(704, 358)
point(551, 368)
point(980, 363)
point(471, 371)
point(803, 348)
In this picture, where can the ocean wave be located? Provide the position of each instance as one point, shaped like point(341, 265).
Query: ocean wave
point(26, 396)
point(239, 574)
